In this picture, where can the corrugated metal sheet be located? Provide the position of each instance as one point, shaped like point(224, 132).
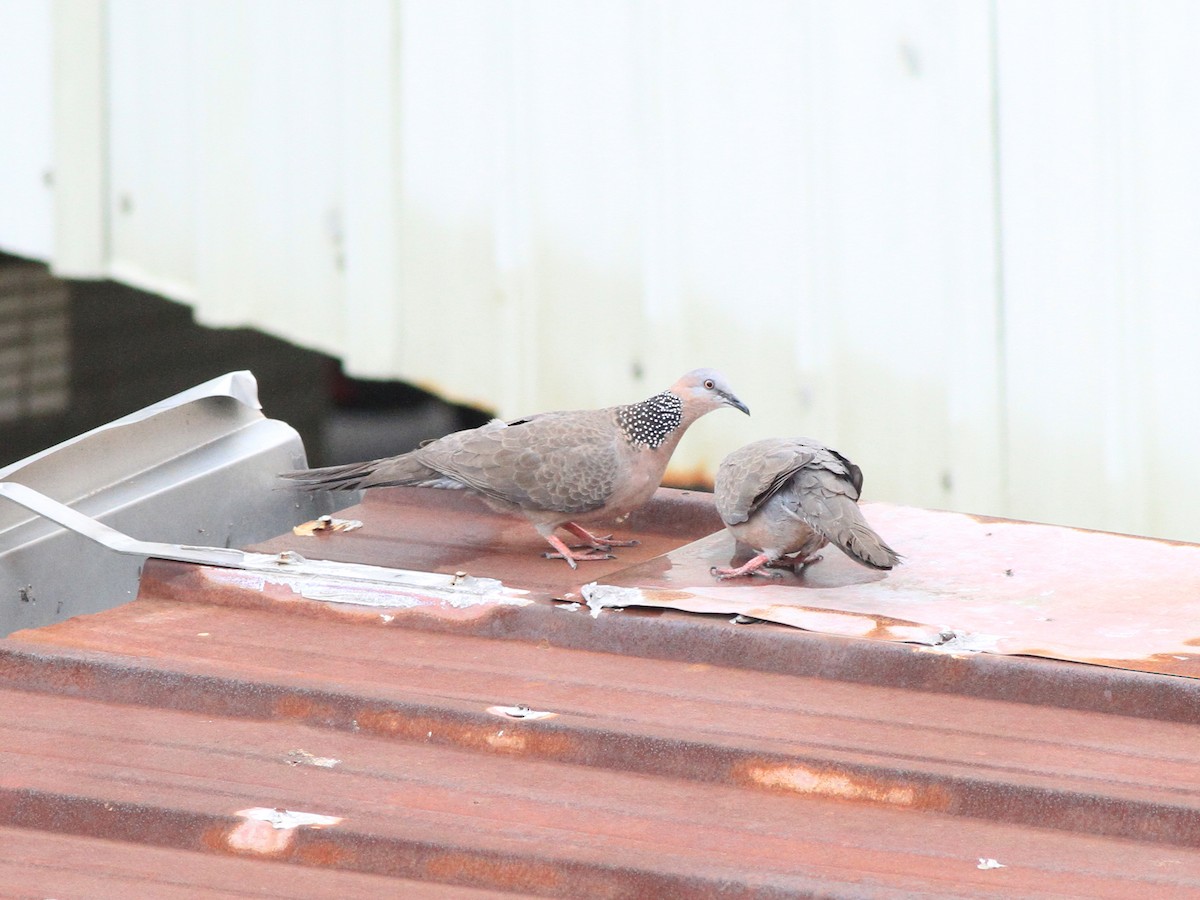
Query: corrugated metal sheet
point(226, 734)
point(969, 583)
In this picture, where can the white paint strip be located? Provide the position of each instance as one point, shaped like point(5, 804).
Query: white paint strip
point(287, 818)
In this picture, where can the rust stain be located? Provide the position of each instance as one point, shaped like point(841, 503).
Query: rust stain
point(300, 706)
point(510, 736)
point(504, 874)
point(73, 677)
point(547, 743)
point(216, 838)
point(325, 525)
point(888, 627)
point(817, 781)
point(393, 724)
point(507, 741)
point(318, 852)
point(668, 596)
point(1181, 665)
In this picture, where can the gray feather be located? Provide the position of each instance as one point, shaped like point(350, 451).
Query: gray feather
point(789, 496)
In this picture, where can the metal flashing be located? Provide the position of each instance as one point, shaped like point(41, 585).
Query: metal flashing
point(196, 468)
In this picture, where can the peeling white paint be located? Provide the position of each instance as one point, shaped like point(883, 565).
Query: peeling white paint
point(602, 596)
point(362, 585)
point(520, 712)
point(304, 758)
point(288, 818)
point(270, 832)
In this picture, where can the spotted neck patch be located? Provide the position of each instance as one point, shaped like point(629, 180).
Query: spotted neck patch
point(651, 421)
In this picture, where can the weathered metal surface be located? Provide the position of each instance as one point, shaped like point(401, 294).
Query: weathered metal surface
point(42, 864)
point(994, 586)
point(291, 743)
point(991, 585)
point(160, 722)
point(626, 713)
point(450, 531)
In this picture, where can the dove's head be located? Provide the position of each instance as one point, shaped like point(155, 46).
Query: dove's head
point(702, 391)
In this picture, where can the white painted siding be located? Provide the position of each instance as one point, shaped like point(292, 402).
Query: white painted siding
point(26, 128)
point(1100, 200)
point(955, 238)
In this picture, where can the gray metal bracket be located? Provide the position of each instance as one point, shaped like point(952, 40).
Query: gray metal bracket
point(287, 562)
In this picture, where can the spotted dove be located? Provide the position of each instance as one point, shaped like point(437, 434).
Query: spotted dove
point(786, 498)
point(557, 468)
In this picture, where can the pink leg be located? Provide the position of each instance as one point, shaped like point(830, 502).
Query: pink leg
point(565, 552)
point(799, 565)
point(596, 543)
point(752, 567)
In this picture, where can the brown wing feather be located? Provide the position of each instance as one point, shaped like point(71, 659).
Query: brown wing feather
point(561, 462)
point(749, 476)
point(800, 480)
point(824, 496)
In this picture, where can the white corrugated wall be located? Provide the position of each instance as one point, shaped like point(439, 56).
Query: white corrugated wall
point(959, 240)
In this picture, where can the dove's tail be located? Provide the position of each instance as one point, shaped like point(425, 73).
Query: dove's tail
point(389, 472)
point(857, 539)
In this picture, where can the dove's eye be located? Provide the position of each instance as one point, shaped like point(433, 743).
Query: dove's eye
point(708, 385)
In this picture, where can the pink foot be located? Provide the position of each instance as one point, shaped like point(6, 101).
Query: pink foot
point(753, 567)
point(573, 556)
point(596, 543)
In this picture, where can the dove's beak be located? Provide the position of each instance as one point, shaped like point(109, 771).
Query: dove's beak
point(733, 401)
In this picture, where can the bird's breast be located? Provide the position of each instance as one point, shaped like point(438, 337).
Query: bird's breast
point(642, 475)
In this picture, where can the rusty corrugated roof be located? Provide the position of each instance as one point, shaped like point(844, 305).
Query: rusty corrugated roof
point(224, 734)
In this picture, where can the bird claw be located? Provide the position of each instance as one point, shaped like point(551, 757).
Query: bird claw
point(562, 551)
point(727, 573)
point(595, 542)
point(766, 572)
point(753, 567)
point(603, 544)
point(572, 557)
point(608, 541)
